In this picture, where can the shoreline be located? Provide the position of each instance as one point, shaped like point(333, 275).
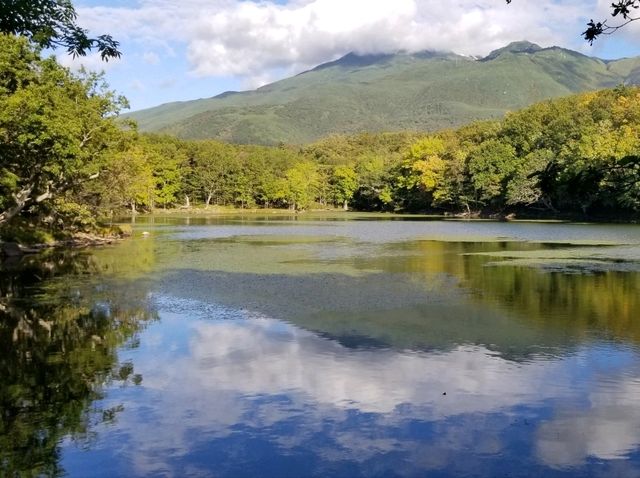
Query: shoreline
point(511, 216)
point(81, 240)
point(116, 233)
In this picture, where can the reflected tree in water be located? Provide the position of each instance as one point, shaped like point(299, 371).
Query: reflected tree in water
point(58, 351)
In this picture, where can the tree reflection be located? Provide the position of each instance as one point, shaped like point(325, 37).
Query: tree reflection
point(429, 294)
point(576, 303)
point(58, 352)
point(558, 290)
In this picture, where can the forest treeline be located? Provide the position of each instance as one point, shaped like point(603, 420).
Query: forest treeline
point(66, 159)
point(574, 155)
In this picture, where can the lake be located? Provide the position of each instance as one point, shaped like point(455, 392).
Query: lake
point(346, 346)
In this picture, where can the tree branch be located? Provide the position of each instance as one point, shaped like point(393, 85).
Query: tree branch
point(21, 198)
point(622, 8)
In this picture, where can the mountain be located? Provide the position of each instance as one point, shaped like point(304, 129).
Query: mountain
point(390, 92)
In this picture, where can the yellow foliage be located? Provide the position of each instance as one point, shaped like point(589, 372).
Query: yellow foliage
point(430, 170)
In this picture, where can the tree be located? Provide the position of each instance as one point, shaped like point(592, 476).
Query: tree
point(619, 9)
point(54, 128)
point(344, 182)
point(524, 187)
point(52, 24)
point(491, 166)
point(426, 162)
point(166, 157)
point(373, 174)
point(128, 180)
point(270, 165)
point(301, 185)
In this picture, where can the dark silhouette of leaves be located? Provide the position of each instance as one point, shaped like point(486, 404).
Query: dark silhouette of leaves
point(52, 24)
point(621, 8)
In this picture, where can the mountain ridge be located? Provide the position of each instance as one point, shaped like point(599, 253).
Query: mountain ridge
point(425, 90)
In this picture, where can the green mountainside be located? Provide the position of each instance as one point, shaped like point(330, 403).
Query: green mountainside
point(420, 91)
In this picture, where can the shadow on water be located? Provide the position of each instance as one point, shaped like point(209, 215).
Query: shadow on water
point(59, 341)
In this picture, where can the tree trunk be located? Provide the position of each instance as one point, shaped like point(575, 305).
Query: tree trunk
point(187, 201)
point(208, 200)
point(345, 205)
point(546, 202)
point(21, 199)
point(133, 208)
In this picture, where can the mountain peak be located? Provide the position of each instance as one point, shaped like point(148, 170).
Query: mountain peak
point(417, 91)
point(514, 47)
point(522, 46)
point(355, 60)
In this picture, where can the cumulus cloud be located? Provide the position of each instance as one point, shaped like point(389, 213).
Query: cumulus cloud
point(150, 58)
point(248, 39)
point(262, 356)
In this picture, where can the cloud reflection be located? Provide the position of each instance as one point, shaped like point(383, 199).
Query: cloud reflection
point(265, 356)
point(262, 379)
point(608, 427)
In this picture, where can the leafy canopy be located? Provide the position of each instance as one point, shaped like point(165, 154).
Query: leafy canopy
point(52, 24)
point(54, 128)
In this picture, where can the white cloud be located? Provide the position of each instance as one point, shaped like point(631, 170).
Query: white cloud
point(630, 32)
point(90, 62)
point(137, 85)
point(248, 39)
point(150, 58)
point(167, 83)
point(262, 356)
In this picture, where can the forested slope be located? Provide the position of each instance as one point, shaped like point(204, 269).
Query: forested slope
point(574, 155)
point(420, 92)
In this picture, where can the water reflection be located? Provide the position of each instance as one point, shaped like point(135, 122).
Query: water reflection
point(606, 426)
point(296, 348)
point(246, 395)
point(59, 352)
point(420, 294)
point(264, 356)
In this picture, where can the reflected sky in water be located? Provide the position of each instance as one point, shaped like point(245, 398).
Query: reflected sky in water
point(364, 348)
point(245, 395)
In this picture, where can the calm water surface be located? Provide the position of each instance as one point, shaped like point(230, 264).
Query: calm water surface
point(279, 347)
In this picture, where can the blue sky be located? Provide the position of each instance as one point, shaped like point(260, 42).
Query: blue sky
point(175, 50)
